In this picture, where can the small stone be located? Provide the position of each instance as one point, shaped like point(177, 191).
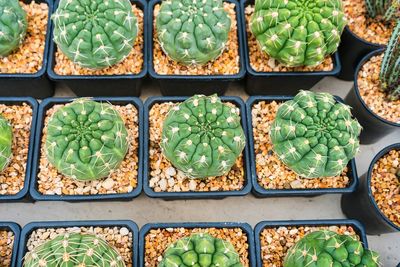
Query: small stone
point(108, 183)
point(170, 171)
point(124, 231)
point(163, 184)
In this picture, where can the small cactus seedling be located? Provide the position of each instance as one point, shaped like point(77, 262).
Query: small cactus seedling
point(385, 10)
point(95, 34)
point(86, 140)
point(201, 250)
point(74, 249)
point(314, 135)
point(6, 138)
point(326, 248)
point(298, 32)
point(202, 136)
point(13, 25)
point(193, 32)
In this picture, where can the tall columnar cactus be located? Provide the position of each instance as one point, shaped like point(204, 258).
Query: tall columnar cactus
point(6, 138)
point(202, 136)
point(13, 25)
point(298, 32)
point(386, 10)
point(193, 32)
point(314, 135)
point(326, 248)
point(201, 250)
point(86, 140)
point(95, 33)
point(74, 249)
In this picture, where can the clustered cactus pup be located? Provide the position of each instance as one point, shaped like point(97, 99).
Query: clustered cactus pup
point(6, 139)
point(385, 10)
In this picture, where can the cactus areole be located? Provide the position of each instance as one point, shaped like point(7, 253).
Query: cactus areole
point(6, 138)
point(193, 32)
point(95, 34)
point(314, 135)
point(200, 250)
point(202, 136)
point(86, 140)
point(298, 32)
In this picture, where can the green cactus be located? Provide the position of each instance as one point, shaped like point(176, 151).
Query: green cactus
point(193, 32)
point(200, 250)
point(385, 10)
point(86, 140)
point(95, 34)
point(13, 25)
point(74, 249)
point(6, 139)
point(314, 135)
point(326, 248)
point(202, 137)
point(298, 32)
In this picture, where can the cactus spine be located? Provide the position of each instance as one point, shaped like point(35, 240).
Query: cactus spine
point(6, 139)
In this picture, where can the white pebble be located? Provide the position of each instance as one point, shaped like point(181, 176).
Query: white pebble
point(192, 185)
point(108, 183)
point(170, 171)
point(124, 231)
point(163, 184)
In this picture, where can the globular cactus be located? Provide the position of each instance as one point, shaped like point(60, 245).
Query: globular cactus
point(386, 10)
point(314, 135)
point(86, 140)
point(201, 250)
point(6, 139)
point(298, 32)
point(326, 248)
point(95, 33)
point(13, 26)
point(74, 249)
point(193, 32)
point(202, 136)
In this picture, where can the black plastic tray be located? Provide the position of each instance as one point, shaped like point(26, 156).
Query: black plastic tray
point(16, 229)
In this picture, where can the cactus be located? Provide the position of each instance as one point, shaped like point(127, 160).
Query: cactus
point(95, 33)
point(298, 32)
point(326, 248)
point(6, 139)
point(202, 137)
point(200, 250)
point(86, 140)
point(74, 249)
point(385, 10)
point(314, 135)
point(193, 32)
point(13, 25)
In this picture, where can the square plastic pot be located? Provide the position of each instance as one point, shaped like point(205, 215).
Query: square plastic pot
point(244, 226)
point(16, 229)
point(30, 227)
point(192, 194)
point(187, 85)
point(36, 84)
point(261, 192)
point(50, 102)
point(103, 85)
point(22, 195)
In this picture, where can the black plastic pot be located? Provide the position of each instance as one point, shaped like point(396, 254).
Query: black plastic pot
point(21, 195)
point(358, 228)
point(29, 228)
point(103, 85)
point(16, 229)
point(187, 85)
point(374, 127)
point(244, 226)
point(36, 84)
point(50, 102)
point(260, 191)
point(361, 204)
point(191, 194)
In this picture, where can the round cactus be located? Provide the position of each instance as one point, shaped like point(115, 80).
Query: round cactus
point(95, 33)
point(202, 137)
point(298, 32)
point(86, 140)
point(201, 250)
point(13, 25)
point(314, 135)
point(74, 249)
point(326, 248)
point(6, 139)
point(193, 32)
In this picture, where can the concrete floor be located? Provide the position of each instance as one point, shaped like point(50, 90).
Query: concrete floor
point(143, 210)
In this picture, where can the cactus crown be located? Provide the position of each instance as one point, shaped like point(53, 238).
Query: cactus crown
point(86, 140)
point(326, 248)
point(202, 137)
point(298, 32)
point(6, 138)
point(95, 33)
point(193, 31)
point(201, 250)
point(74, 249)
point(13, 25)
point(314, 135)
point(386, 10)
